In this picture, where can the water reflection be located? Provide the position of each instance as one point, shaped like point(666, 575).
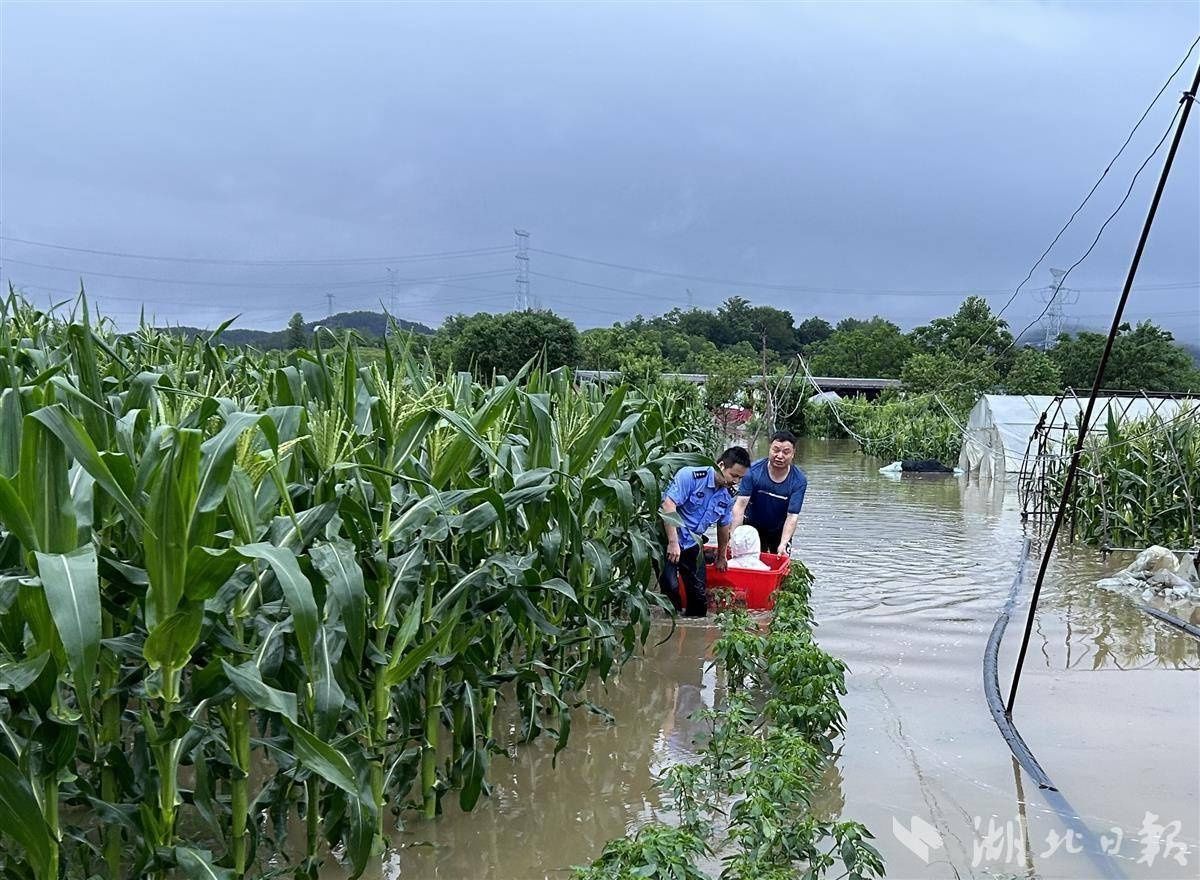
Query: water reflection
point(545, 814)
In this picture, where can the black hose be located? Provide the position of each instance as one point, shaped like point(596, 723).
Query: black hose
point(1171, 620)
point(991, 688)
point(991, 683)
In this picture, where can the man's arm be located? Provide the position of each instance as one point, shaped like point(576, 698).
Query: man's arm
point(795, 502)
point(739, 510)
point(677, 491)
point(789, 528)
point(723, 531)
point(668, 506)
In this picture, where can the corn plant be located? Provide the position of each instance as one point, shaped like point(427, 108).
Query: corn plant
point(1138, 483)
point(242, 593)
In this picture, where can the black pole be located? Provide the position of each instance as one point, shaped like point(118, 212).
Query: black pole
point(1187, 100)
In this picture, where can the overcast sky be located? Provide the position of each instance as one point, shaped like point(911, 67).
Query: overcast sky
point(899, 154)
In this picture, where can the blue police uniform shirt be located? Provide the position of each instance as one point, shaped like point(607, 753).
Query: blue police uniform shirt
point(771, 502)
point(700, 502)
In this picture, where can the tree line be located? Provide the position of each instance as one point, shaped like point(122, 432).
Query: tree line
point(968, 352)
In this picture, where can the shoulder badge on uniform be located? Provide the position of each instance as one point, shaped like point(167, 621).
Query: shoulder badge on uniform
point(700, 474)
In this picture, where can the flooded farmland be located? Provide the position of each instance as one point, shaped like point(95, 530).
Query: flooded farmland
point(911, 573)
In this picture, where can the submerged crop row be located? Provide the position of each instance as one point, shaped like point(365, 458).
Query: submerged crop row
point(244, 592)
point(894, 428)
point(750, 798)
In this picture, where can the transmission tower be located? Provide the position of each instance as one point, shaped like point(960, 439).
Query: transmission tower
point(329, 305)
point(1055, 297)
point(521, 301)
point(392, 291)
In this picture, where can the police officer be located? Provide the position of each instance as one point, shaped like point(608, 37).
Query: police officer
point(700, 497)
point(772, 494)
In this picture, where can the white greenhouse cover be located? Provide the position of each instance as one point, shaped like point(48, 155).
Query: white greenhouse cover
point(1000, 425)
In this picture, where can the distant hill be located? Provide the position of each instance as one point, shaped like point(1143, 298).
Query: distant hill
point(370, 325)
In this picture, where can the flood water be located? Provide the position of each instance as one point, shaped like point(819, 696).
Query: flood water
point(911, 573)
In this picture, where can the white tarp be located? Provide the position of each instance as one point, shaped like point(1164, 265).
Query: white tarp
point(1000, 425)
point(826, 397)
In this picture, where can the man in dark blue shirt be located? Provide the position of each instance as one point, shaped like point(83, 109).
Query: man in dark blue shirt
point(771, 494)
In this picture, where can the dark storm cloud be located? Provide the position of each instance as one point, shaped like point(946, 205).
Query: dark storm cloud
point(850, 146)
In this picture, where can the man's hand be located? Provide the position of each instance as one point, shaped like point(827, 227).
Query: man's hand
point(672, 551)
point(722, 561)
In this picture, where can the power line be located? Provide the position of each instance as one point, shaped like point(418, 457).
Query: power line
point(1096, 240)
point(229, 308)
point(330, 261)
point(799, 288)
point(364, 282)
point(1100, 179)
point(1016, 338)
point(641, 293)
point(915, 292)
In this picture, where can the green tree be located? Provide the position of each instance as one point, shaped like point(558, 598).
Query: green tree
point(696, 322)
point(1033, 372)
point(958, 382)
point(503, 343)
point(812, 331)
point(971, 332)
point(641, 370)
point(777, 326)
point(734, 322)
point(296, 336)
point(726, 382)
point(874, 349)
point(1144, 358)
point(727, 377)
point(600, 348)
point(847, 324)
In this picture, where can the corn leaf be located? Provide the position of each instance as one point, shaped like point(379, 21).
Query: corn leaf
point(21, 819)
point(72, 585)
point(198, 865)
point(296, 588)
point(347, 593)
point(247, 681)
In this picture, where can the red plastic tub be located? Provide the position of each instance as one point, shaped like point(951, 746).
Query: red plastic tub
point(756, 588)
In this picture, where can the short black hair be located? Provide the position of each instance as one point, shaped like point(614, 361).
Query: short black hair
point(784, 437)
point(735, 455)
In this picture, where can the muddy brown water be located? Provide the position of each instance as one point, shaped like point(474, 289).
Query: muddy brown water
point(911, 573)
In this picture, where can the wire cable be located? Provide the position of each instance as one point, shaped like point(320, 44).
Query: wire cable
point(315, 285)
point(1100, 179)
point(1096, 240)
point(329, 261)
point(799, 288)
